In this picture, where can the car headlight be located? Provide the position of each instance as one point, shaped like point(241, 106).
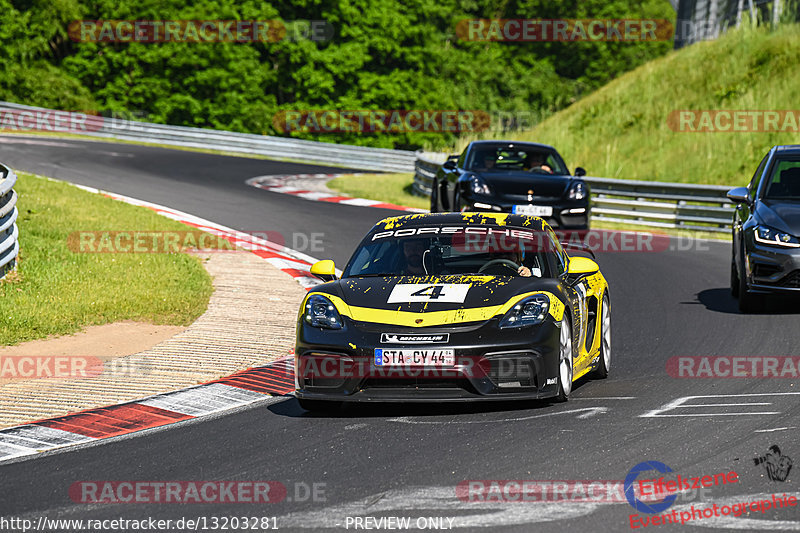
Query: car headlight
point(478, 186)
point(527, 312)
point(321, 313)
point(774, 237)
point(578, 191)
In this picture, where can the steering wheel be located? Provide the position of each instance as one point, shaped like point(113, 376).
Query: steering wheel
point(501, 262)
point(540, 170)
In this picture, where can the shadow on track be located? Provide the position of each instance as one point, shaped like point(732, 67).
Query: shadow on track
point(721, 301)
point(396, 409)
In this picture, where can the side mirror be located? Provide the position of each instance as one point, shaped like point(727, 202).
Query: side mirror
point(449, 165)
point(580, 172)
point(324, 270)
point(580, 267)
point(739, 195)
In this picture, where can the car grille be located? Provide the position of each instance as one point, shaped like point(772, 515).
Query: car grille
point(791, 280)
point(508, 372)
point(762, 270)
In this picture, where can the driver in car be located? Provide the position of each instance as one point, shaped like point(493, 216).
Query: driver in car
point(516, 258)
point(414, 254)
point(536, 163)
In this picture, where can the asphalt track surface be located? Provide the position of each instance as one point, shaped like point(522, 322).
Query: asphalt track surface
point(407, 461)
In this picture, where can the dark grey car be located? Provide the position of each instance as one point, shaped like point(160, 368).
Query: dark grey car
point(766, 230)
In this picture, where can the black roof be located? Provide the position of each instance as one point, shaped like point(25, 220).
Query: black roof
point(788, 149)
point(505, 143)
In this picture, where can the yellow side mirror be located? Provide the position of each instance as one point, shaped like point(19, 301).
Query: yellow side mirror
point(324, 270)
point(581, 265)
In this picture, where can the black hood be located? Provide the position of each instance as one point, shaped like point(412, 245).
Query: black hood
point(483, 291)
point(515, 182)
point(780, 214)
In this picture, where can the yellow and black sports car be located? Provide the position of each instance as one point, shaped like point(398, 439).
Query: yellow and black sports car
point(456, 306)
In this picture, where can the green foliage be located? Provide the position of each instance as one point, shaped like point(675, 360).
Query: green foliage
point(383, 55)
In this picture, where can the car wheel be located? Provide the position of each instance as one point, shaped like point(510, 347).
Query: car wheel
point(605, 340)
point(319, 406)
point(734, 279)
point(564, 362)
point(748, 302)
point(435, 197)
point(457, 202)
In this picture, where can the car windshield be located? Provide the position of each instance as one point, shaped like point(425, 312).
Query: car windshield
point(784, 181)
point(488, 251)
point(514, 157)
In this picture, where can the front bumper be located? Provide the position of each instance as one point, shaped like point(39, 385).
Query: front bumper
point(490, 364)
point(772, 269)
point(566, 215)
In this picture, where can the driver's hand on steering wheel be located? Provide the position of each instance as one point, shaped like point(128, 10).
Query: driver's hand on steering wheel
point(524, 271)
point(541, 169)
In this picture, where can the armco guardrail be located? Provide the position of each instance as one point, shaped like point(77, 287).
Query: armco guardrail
point(28, 118)
point(9, 246)
point(642, 203)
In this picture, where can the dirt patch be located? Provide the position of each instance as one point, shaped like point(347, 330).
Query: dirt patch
point(108, 340)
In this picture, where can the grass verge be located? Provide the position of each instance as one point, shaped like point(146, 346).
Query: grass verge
point(57, 291)
point(391, 188)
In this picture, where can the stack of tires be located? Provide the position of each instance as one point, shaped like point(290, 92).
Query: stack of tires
point(9, 246)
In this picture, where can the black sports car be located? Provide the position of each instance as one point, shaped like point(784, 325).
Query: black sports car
point(513, 177)
point(766, 230)
point(453, 307)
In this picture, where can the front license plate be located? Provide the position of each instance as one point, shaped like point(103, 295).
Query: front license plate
point(414, 357)
point(533, 210)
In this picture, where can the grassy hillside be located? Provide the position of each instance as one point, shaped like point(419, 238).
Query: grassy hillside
point(621, 130)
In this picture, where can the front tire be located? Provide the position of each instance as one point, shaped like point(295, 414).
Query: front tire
point(457, 208)
point(435, 197)
point(748, 302)
point(565, 360)
point(734, 279)
point(605, 340)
